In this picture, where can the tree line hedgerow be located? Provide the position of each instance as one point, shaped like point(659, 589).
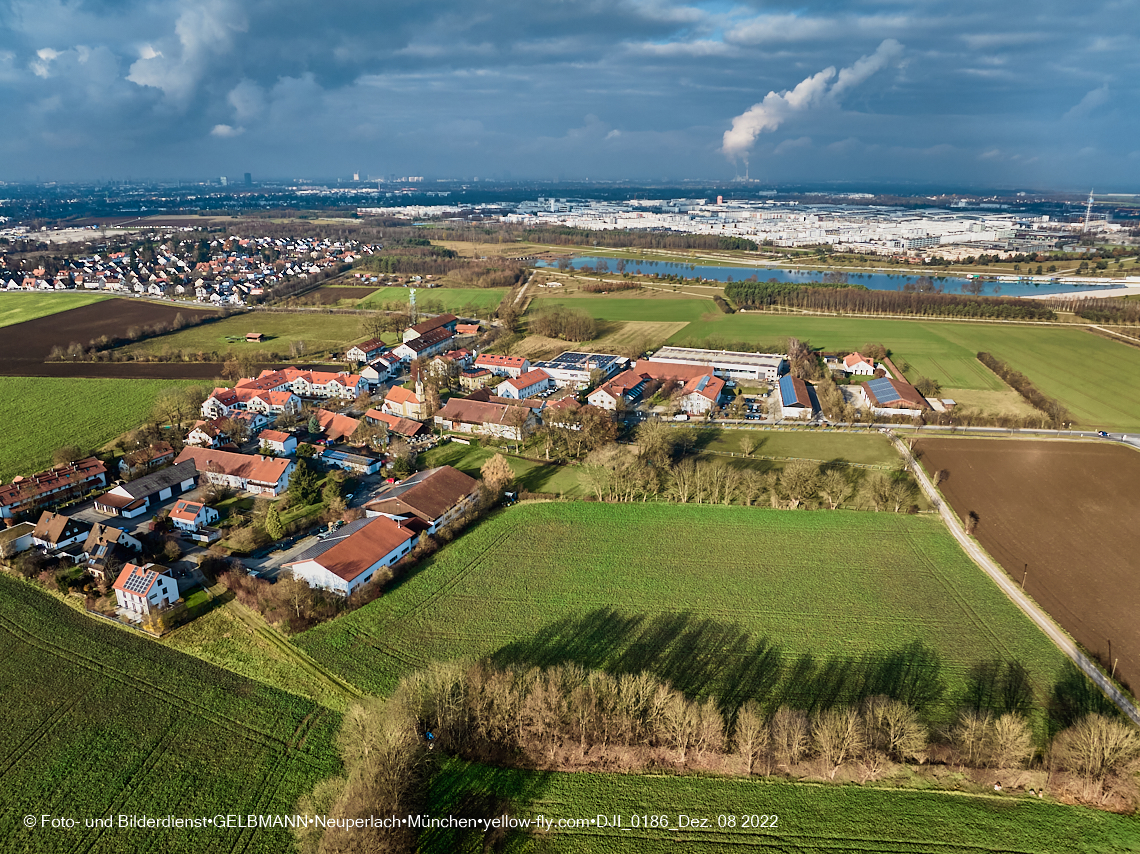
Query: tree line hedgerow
point(1020, 383)
point(565, 717)
point(859, 300)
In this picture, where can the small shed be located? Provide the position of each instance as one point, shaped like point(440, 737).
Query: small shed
point(254, 337)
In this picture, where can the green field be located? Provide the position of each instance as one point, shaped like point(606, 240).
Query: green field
point(796, 607)
point(870, 448)
point(48, 413)
point(320, 333)
point(810, 818)
point(18, 307)
point(463, 301)
point(533, 476)
point(1094, 377)
point(101, 722)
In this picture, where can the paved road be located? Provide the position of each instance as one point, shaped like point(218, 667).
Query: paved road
point(1007, 585)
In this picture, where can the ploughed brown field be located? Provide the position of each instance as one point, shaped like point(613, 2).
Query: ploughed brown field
point(1070, 511)
point(335, 293)
point(24, 347)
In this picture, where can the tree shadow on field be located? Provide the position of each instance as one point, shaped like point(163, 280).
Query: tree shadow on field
point(1073, 696)
point(473, 791)
point(998, 687)
point(702, 656)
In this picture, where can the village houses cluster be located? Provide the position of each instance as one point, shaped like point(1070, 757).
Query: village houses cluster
point(220, 271)
point(496, 395)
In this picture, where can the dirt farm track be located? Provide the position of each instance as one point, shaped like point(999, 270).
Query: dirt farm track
point(1067, 511)
point(24, 347)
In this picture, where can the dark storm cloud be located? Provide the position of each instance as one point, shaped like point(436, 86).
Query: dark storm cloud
point(975, 92)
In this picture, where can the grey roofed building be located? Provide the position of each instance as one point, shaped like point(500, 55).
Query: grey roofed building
point(134, 498)
point(159, 480)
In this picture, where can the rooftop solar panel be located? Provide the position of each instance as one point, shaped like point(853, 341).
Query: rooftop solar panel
point(884, 390)
point(701, 385)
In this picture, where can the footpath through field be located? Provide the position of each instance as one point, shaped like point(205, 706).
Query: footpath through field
point(1007, 585)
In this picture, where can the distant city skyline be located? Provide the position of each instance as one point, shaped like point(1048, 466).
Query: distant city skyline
point(965, 94)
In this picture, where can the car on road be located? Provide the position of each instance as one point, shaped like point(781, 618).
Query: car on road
point(1102, 433)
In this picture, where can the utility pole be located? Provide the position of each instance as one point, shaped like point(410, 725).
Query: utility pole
point(1023, 577)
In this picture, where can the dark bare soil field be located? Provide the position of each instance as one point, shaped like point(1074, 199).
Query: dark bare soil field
point(1070, 512)
point(333, 294)
point(24, 347)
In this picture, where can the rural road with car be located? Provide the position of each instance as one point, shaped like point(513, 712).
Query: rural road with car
point(1010, 588)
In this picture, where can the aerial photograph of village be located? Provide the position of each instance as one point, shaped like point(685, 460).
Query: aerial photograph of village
point(658, 426)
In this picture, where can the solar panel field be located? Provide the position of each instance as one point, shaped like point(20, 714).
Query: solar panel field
point(101, 723)
point(808, 818)
point(806, 608)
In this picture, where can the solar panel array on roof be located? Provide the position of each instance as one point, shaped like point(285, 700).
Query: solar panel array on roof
point(884, 390)
point(140, 583)
point(703, 382)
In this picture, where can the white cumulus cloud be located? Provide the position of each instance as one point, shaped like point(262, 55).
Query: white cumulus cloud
point(811, 92)
point(226, 131)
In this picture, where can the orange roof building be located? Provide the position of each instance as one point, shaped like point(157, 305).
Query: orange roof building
point(349, 558)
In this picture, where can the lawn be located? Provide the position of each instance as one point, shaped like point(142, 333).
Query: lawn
point(806, 608)
point(529, 474)
point(320, 332)
point(479, 302)
point(48, 413)
point(18, 307)
point(100, 721)
point(808, 818)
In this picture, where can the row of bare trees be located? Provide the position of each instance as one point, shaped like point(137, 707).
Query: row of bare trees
point(565, 717)
point(647, 472)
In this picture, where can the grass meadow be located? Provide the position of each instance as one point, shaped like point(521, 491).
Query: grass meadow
point(48, 413)
point(320, 333)
point(18, 307)
point(804, 608)
point(808, 818)
point(462, 301)
point(100, 721)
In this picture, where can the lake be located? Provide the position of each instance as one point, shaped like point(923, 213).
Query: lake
point(873, 281)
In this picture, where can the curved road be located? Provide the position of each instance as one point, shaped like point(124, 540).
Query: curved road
point(1007, 585)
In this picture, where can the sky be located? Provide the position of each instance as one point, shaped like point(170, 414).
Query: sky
point(1041, 95)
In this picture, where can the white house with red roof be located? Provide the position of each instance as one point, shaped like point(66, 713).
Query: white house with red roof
point(503, 366)
point(624, 389)
point(192, 515)
point(403, 402)
point(525, 385)
point(348, 558)
point(256, 474)
point(366, 351)
point(857, 363)
point(144, 589)
point(280, 443)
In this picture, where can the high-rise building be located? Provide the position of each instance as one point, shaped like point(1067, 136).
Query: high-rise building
point(225, 181)
point(355, 176)
point(248, 179)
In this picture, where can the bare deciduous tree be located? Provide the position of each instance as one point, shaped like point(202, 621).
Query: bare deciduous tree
point(789, 730)
point(838, 736)
point(750, 737)
point(835, 487)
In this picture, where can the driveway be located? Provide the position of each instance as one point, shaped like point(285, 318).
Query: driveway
point(270, 565)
